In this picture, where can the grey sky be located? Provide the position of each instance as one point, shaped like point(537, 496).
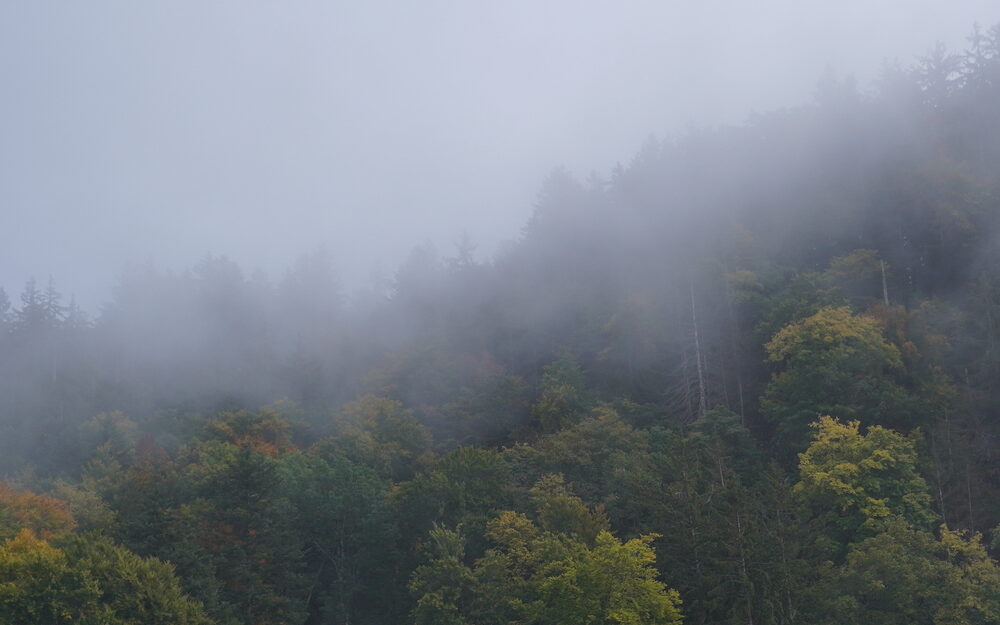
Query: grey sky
point(133, 131)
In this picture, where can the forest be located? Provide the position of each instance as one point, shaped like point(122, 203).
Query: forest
point(751, 376)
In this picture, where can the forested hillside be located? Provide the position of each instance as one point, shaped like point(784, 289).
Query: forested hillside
point(752, 376)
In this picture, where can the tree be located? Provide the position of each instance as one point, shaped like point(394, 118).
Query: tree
point(40, 310)
point(311, 299)
point(614, 582)
point(242, 526)
point(552, 578)
point(852, 484)
point(860, 274)
point(591, 454)
point(833, 363)
point(564, 400)
point(559, 511)
point(265, 431)
point(348, 535)
point(904, 576)
point(111, 437)
point(5, 316)
point(938, 76)
point(444, 587)
point(532, 575)
point(732, 548)
point(39, 585)
point(380, 433)
point(137, 591)
point(465, 488)
point(43, 516)
point(88, 580)
point(75, 319)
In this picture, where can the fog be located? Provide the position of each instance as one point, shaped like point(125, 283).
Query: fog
point(161, 132)
point(509, 312)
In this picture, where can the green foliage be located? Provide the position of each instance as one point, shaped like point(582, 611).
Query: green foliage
point(634, 338)
point(445, 586)
point(466, 487)
point(381, 433)
point(852, 484)
point(486, 410)
point(836, 336)
point(86, 505)
point(771, 299)
point(245, 532)
point(858, 273)
point(91, 581)
point(720, 438)
point(833, 363)
point(614, 582)
point(348, 534)
point(113, 436)
point(592, 455)
point(733, 545)
point(220, 514)
point(561, 512)
point(39, 585)
point(137, 591)
point(535, 576)
point(851, 275)
point(904, 576)
point(564, 399)
point(553, 579)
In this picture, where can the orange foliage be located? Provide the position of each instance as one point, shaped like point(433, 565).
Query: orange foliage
point(266, 432)
point(44, 516)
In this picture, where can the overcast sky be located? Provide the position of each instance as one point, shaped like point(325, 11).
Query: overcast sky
point(162, 131)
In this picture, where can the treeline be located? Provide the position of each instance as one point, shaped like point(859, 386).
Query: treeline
point(748, 378)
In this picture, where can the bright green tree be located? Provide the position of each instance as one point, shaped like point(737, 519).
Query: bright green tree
point(564, 571)
point(832, 363)
point(90, 581)
point(39, 585)
point(552, 578)
point(851, 483)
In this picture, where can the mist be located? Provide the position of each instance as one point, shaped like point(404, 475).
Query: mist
point(499, 313)
point(156, 133)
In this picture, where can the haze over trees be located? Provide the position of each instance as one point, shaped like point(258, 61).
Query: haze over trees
point(749, 377)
